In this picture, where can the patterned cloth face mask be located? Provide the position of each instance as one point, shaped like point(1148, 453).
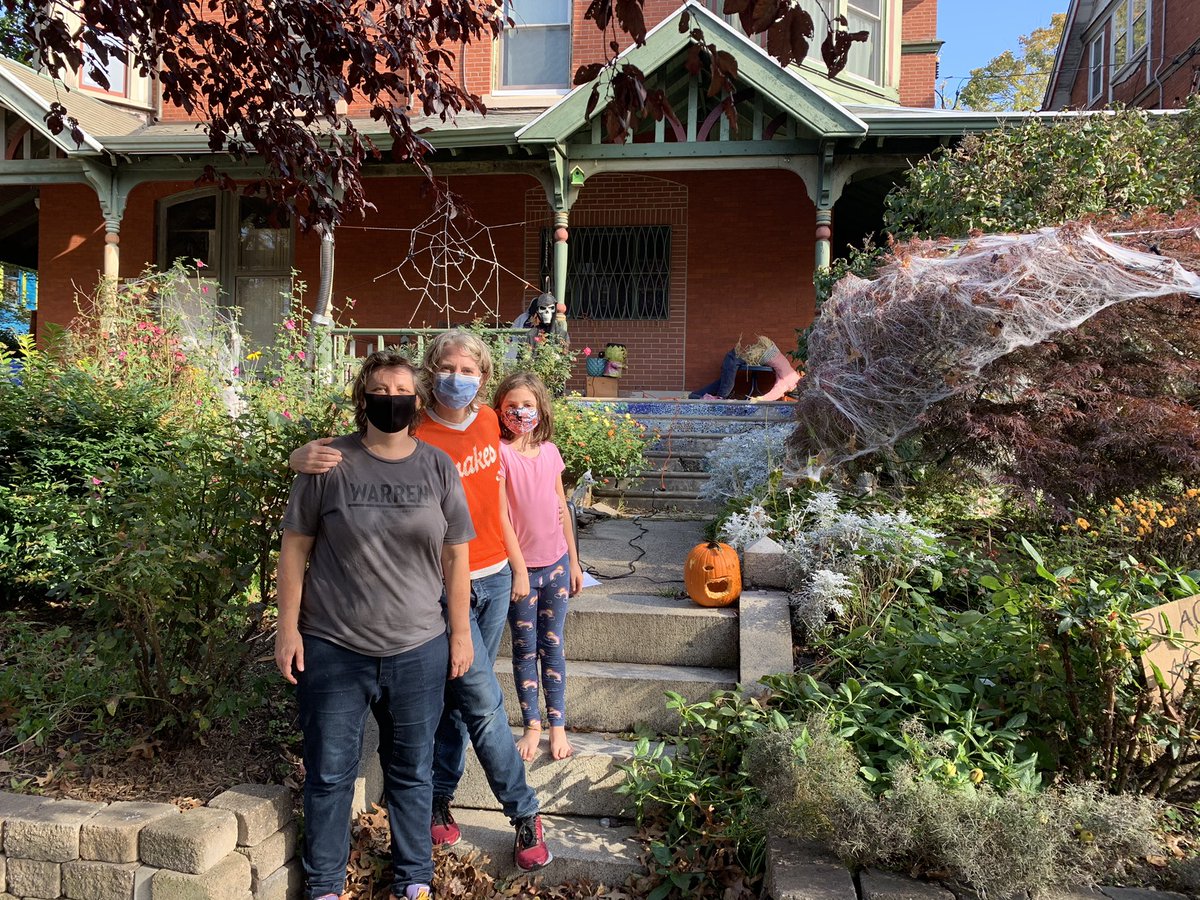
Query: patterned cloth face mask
point(520, 419)
point(454, 390)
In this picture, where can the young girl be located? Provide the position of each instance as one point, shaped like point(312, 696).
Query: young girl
point(532, 478)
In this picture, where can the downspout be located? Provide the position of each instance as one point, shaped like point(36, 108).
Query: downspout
point(320, 316)
point(1162, 49)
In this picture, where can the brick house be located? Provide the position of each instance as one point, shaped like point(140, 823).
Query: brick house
point(675, 243)
point(1134, 52)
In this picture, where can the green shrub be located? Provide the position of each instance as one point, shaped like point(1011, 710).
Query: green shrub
point(1000, 843)
point(593, 437)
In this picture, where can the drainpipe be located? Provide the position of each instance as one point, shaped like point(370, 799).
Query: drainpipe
point(320, 316)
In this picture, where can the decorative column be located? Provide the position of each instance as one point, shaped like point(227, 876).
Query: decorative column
point(823, 235)
point(112, 248)
point(561, 234)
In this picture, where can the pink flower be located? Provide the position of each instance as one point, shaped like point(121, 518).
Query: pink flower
point(286, 414)
point(121, 356)
point(587, 351)
point(299, 354)
point(200, 264)
point(237, 371)
point(96, 481)
point(289, 324)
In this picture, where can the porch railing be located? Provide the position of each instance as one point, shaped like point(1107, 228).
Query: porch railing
point(344, 346)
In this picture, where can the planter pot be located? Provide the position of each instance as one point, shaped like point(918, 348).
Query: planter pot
point(595, 366)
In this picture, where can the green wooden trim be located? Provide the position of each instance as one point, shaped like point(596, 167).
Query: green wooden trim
point(783, 86)
point(917, 48)
point(713, 150)
point(32, 109)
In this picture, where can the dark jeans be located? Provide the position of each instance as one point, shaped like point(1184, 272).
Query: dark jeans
point(335, 692)
point(537, 625)
point(723, 386)
point(475, 709)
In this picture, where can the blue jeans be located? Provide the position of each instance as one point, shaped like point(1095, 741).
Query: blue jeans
point(475, 709)
point(723, 386)
point(335, 692)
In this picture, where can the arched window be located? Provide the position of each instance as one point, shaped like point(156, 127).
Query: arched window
point(241, 242)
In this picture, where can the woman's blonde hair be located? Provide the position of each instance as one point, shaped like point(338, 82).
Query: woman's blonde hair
point(471, 344)
point(384, 359)
point(545, 426)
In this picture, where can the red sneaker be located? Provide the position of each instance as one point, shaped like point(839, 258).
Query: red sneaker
point(530, 851)
point(444, 830)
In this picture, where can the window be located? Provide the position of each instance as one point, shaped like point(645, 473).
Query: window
point(866, 56)
point(244, 244)
point(616, 273)
point(115, 71)
point(1096, 68)
point(535, 54)
point(1130, 29)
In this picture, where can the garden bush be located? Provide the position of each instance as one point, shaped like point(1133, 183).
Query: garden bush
point(145, 480)
point(595, 438)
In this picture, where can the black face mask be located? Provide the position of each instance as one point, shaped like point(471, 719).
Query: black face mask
point(391, 413)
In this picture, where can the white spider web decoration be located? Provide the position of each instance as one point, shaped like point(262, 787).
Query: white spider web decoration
point(451, 264)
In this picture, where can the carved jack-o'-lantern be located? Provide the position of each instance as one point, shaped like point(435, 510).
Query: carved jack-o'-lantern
point(712, 574)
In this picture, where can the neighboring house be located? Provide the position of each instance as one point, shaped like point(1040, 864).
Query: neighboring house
point(1135, 52)
point(676, 244)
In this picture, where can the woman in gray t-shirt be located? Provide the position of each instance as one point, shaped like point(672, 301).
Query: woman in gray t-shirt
point(367, 548)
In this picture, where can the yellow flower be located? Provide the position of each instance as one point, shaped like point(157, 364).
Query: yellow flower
point(257, 354)
point(976, 776)
point(1083, 524)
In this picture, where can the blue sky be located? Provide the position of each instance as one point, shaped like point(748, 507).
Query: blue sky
point(977, 30)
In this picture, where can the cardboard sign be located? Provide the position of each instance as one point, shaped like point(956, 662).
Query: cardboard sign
point(1177, 659)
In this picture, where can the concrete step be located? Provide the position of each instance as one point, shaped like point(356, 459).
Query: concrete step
point(657, 502)
point(707, 423)
point(583, 848)
point(637, 628)
point(618, 697)
point(776, 411)
point(696, 441)
point(665, 481)
point(675, 461)
point(584, 784)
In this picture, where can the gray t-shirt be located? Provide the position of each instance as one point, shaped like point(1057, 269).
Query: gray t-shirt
point(374, 580)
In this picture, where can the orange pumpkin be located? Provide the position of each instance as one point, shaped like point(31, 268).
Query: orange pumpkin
point(712, 574)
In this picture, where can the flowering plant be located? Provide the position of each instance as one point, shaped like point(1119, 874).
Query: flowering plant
point(594, 437)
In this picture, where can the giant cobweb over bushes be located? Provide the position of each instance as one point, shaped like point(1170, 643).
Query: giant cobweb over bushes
point(882, 352)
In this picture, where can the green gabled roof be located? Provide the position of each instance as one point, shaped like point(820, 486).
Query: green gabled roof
point(812, 109)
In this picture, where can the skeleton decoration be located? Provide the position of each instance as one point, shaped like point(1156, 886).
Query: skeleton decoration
point(546, 316)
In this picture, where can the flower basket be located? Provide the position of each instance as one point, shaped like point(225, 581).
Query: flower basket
point(595, 366)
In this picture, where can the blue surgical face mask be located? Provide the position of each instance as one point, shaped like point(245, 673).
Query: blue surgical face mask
point(454, 390)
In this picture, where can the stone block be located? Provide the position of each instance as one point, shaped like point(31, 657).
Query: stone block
point(88, 880)
point(12, 805)
point(34, 879)
point(261, 810)
point(49, 831)
point(285, 883)
point(112, 834)
point(270, 854)
point(1141, 894)
point(876, 885)
point(228, 878)
point(764, 638)
point(765, 564)
point(799, 871)
point(2, 876)
point(192, 842)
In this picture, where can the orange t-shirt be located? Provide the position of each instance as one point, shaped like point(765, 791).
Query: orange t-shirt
point(475, 450)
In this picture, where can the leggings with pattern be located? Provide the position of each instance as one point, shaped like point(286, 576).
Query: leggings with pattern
point(537, 634)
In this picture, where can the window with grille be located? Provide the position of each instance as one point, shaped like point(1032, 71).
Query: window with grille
point(615, 273)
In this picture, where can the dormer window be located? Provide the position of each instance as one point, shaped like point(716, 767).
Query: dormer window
point(115, 71)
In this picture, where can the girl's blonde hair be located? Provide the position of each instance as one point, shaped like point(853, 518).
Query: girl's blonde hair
point(385, 359)
point(471, 344)
point(545, 426)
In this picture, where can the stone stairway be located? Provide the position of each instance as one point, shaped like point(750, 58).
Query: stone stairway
point(674, 474)
point(628, 641)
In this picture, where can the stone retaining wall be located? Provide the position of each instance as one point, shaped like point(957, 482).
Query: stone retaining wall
point(242, 846)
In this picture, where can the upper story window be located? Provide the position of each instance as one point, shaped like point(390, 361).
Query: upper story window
point(1130, 28)
point(535, 54)
point(866, 56)
point(1096, 68)
point(115, 71)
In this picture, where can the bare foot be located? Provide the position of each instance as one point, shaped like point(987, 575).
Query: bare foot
point(527, 746)
point(560, 747)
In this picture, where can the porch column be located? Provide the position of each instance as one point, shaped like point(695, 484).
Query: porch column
point(561, 234)
point(112, 248)
point(823, 234)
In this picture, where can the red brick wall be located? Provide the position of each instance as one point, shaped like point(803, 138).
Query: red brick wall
point(918, 71)
point(70, 250)
point(721, 262)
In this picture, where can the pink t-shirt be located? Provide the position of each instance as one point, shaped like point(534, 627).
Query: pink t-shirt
point(531, 484)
